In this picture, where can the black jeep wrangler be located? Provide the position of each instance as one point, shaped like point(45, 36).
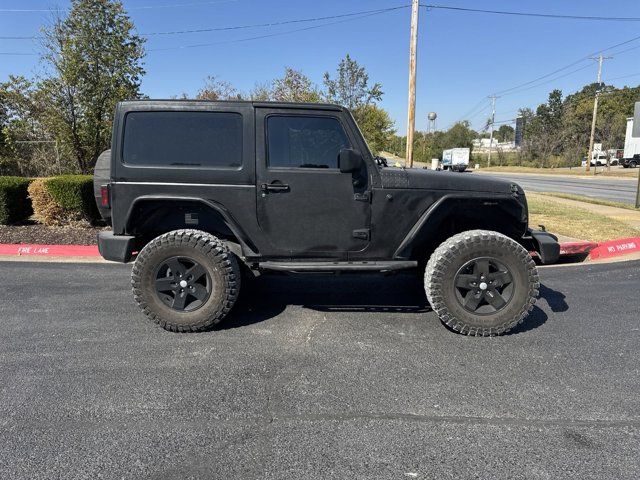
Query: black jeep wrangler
point(206, 195)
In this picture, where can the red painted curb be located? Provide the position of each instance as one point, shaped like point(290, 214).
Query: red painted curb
point(50, 250)
point(615, 248)
point(609, 249)
point(576, 248)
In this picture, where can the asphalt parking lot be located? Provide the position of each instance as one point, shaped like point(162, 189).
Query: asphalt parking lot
point(316, 377)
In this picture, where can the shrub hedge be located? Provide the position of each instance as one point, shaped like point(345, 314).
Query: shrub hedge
point(64, 199)
point(14, 200)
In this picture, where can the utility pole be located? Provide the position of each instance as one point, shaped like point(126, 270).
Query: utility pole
point(493, 119)
point(600, 58)
point(413, 47)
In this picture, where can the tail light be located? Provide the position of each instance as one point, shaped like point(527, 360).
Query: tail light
point(105, 197)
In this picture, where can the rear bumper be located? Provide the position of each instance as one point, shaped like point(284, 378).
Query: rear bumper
point(117, 248)
point(544, 244)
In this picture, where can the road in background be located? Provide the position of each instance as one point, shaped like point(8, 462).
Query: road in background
point(316, 377)
point(615, 190)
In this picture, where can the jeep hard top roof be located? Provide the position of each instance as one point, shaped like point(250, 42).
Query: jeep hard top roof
point(186, 102)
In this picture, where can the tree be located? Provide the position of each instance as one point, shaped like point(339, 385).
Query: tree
point(460, 135)
point(95, 61)
point(351, 88)
point(376, 126)
point(216, 89)
point(506, 133)
point(21, 108)
point(294, 86)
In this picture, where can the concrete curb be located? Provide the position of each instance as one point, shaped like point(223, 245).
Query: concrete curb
point(27, 250)
point(594, 250)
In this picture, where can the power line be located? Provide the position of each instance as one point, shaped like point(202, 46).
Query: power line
point(269, 35)
point(551, 80)
point(501, 92)
point(244, 27)
point(344, 18)
point(474, 108)
point(534, 14)
point(623, 76)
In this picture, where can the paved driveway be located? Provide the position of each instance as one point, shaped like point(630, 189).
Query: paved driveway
point(317, 377)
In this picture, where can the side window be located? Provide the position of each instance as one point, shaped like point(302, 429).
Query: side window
point(304, 142)
point(183, 139)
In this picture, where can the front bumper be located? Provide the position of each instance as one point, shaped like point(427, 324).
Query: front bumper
point(117, 248)
point(544, 244)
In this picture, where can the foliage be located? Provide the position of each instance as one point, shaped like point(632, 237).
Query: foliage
point(375, 124)
point(431, 145)
point(294, 86)
point(351, 88)
point(506, 133)
point(45, 209)
point(25, 146)
point(64, 199)
point(14, 200)
point(95, 61)
point(560, 128)
point(217, 89)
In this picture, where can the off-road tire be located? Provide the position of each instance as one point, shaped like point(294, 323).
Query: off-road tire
point(453, 254)
point(219, 263)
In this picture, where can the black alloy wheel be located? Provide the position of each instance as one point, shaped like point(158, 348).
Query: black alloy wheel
point(484, 286)
point(182, 284)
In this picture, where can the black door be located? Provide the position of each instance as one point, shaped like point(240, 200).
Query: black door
point(306, 206)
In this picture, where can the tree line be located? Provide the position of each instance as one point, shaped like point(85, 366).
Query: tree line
point(555, 134)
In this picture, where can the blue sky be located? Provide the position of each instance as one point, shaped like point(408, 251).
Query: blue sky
point(462, 57)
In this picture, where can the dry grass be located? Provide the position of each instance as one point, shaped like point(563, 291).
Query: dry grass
point(595, 201)
point(575, 222)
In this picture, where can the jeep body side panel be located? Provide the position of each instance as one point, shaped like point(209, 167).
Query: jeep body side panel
point(311, 211)
point(191, 196)
point(415, 210)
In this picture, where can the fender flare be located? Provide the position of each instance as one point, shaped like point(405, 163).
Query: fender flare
point(438, 212)
point(248, 247)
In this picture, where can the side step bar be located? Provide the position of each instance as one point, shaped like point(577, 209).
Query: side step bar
point(309, 267)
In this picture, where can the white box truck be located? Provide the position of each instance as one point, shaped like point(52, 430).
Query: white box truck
point(456, 159)
point(631, 156)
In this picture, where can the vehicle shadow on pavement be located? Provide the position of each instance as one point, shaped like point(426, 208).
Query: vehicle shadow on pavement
point(556, 302)
point(269, 296)
point(555, 299)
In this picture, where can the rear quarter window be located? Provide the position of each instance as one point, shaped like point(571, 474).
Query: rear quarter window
point(183, 139)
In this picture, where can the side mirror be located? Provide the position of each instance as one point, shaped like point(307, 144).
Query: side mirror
point(350, 160)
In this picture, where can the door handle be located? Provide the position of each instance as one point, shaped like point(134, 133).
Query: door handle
point(274, 187)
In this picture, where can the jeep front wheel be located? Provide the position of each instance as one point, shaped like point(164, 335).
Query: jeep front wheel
point(481, 283)
point(185, 280)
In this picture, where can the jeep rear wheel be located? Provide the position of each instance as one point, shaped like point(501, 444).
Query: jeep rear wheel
point(185, 280)
point(481, 283)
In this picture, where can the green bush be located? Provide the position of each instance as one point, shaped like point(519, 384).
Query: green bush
point(64, 199)
point(15, 205)
point(74, 193)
